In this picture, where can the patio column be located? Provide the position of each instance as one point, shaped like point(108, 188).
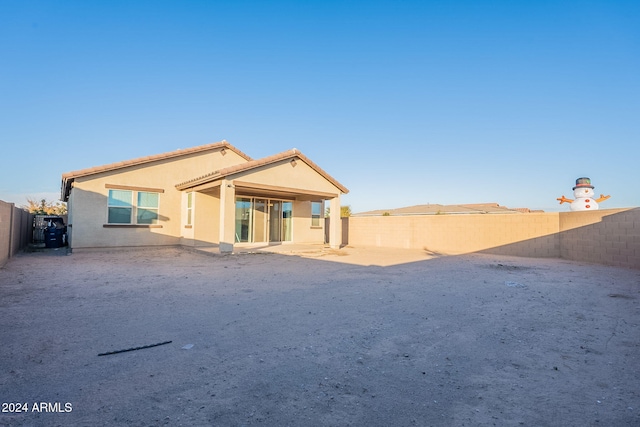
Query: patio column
point(335, 223)
point(227, 216)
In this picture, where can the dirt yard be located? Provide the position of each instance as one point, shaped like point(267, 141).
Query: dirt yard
point(360, 337)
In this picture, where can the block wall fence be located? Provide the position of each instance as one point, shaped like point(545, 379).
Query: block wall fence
point(15, 230)
point(608, 236)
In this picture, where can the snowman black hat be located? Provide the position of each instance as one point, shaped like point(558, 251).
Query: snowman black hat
point(583, 182)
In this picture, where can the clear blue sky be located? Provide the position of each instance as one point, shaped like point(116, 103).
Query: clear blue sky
point(404, 102)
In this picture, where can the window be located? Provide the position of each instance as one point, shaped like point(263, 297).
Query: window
point(189, 208)
point(122, 210)
point(316, 213)
point(120, 206)
point(147, 212)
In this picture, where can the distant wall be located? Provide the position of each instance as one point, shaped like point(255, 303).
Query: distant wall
point(15, 230)
point(610, 237)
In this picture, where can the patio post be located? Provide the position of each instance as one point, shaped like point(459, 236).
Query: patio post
point(335, 223)
point(227, 216)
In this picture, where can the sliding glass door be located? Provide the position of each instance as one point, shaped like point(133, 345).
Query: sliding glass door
point(275, 223)
point(244, 217)
point(287, 214)
point(263, 220)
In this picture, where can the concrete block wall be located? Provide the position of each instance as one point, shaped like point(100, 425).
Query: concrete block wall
point(15, 230)
point(509, 234)
point(6, 212)
point(610, 237)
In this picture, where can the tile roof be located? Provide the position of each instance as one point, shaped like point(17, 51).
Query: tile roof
point(69, 177)
point(243, 167)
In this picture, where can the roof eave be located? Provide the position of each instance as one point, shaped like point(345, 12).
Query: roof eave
point(69, 177)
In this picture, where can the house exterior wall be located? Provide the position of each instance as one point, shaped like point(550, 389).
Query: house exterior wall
point(88, 200)
point(300, 177)
point(207, 224)
point(70, 219)
point(303, 231)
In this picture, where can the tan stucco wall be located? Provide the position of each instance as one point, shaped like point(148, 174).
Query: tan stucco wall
point(610, 236)
point(303, 232)
point(88, 201)
point(301, 177)
point(206, 221)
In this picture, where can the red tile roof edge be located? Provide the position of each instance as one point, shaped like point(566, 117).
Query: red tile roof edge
point(152, 158)
point(68, 177)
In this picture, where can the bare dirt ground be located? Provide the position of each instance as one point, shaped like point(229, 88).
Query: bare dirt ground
point(360, 337)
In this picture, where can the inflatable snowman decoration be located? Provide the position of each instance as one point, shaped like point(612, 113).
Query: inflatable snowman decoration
point(584, 196)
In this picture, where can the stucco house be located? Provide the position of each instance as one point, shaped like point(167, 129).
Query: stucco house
point(210, 195)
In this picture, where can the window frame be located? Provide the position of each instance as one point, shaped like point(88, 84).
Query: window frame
point(111, 206)
point(141, 210)
point(189, 218)
point(316, 218)
point(135, 207)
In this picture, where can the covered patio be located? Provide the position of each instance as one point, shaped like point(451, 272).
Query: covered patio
point(276, 200)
